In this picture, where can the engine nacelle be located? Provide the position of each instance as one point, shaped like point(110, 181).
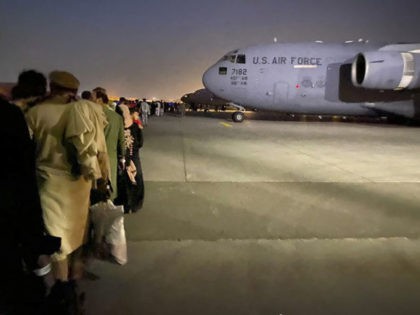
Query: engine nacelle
point(386, 70)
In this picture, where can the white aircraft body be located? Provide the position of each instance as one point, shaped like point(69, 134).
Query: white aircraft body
point(352, 78)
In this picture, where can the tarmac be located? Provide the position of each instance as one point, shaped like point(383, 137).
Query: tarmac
point(270, 217)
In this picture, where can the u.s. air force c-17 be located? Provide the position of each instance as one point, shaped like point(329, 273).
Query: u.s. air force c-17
point(352, 78)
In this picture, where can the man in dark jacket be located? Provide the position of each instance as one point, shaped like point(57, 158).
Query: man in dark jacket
point(24, 244)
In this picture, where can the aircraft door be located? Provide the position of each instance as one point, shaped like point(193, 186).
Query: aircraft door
point(281, 94)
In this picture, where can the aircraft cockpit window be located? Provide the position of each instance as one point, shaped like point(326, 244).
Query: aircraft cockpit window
point(222, 70)
point(241, 59)
point(231, 58)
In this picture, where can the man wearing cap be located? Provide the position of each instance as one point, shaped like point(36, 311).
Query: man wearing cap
point(66, 164)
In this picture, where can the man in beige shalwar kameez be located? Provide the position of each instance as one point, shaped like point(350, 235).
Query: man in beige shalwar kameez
point(68, 144)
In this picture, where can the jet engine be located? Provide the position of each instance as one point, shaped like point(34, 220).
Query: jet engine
point(386, 70)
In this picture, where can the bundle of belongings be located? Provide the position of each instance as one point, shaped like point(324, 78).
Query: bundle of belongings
point(108, 237)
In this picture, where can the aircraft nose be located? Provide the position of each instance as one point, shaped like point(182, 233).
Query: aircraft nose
point(209, 78)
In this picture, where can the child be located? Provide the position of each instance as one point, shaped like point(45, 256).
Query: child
point(136, 117)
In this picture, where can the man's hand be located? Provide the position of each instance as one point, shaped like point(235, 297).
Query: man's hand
point(48, 277)
point(121, 163)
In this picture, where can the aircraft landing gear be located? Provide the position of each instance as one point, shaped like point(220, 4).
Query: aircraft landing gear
point(238, 117)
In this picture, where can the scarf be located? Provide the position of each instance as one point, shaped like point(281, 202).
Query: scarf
point(128, 120)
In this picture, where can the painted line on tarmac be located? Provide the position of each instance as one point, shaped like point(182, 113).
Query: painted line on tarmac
point(226, 124)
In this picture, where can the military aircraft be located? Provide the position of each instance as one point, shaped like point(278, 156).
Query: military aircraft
point(354, 78)
point(205, 99)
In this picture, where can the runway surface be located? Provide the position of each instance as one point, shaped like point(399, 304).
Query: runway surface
point(270, 217)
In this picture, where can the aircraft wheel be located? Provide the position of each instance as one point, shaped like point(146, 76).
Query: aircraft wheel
point(238, 117)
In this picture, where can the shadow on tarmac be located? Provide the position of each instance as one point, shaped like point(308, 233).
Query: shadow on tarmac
point(275, 116)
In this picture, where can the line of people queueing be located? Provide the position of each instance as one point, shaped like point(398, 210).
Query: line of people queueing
point(60, 152)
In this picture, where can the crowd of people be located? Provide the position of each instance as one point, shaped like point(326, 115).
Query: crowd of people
point(61, 154)
point(156, 108)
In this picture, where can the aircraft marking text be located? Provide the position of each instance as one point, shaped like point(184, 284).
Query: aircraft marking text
point(264, 60)
point(239, 77)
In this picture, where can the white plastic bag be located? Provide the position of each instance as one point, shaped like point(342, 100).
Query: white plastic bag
point(116, 239)
point(108, 224)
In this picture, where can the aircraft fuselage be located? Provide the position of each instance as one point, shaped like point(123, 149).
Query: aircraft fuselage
point(312, 78)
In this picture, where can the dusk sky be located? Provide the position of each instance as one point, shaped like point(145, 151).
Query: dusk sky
point(160, 48)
